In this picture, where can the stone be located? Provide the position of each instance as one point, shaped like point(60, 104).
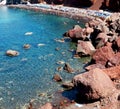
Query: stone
point(85, 48)
point(26, 46)
point(68, 68)
point(12, 53)
point(68, 85)
point(94, 84)
point(114, 61)
point(57, 78)
point(101, 40)
point(89, 30)
point(113, 72)
point(102, 55)
point(93, 66)
point(47, 106)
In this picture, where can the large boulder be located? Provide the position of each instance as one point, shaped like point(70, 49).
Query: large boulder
point(12, 53)
point(102, 55)
point(94, 85)
point(85, 48)
point(113, 72)
point(75, 33)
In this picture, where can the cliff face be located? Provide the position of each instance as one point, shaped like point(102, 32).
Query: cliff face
point(113, 5)
point(73, 3)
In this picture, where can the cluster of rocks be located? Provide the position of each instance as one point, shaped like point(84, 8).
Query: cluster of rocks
point(100, 39)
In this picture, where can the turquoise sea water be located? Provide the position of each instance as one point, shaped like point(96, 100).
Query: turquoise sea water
point(24, 77)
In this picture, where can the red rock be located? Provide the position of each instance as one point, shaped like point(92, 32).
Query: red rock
point(93, 66)
point(76, 32)
point(114, 61)
point(47, 106)
point(85, 48)
point(94, 85)
point(113, 72)
point(102, 55)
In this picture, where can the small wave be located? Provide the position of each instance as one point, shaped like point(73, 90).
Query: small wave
point(28, 33)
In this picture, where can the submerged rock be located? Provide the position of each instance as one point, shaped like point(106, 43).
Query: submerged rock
point(12, 53)
point(68, 85)
point(57, 78)
point(26, 46)
point(68, 68)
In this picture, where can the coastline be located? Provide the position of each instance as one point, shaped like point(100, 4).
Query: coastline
point(56, 11)
point(70, 12)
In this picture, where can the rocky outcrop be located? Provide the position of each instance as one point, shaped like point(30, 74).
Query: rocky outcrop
point(113, 5)
point(12, 53)
point(94, 85)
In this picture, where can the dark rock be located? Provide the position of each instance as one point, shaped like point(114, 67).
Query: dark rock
point(57, 78)
point(26, 46)
point(68, 68)
point(94, 85)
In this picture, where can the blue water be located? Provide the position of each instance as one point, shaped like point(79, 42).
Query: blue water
point(24, 77)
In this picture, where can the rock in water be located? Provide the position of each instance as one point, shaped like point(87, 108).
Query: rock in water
point(12, 53)
point(57, 78)
point(68, 68)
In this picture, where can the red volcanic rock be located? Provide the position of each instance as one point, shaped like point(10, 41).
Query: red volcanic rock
point(113, 72)
point(114, 61)
point(76, 32)
point(102, 55)
point(94, 85)
point(85, 48)
point(118, 43)
point(47, 106)
point(93, 66)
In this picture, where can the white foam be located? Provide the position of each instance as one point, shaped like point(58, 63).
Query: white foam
point(28, 33)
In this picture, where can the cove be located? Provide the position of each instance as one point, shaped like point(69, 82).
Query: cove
point(24, 77)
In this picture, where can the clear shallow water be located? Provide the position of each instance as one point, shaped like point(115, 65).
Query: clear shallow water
point(24, 77)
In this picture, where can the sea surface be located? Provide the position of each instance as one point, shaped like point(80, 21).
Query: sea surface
point(29, 76)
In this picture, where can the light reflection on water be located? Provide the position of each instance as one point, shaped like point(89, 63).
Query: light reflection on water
point(24, 77)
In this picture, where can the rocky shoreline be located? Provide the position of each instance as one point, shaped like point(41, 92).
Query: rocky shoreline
point(100, 39)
